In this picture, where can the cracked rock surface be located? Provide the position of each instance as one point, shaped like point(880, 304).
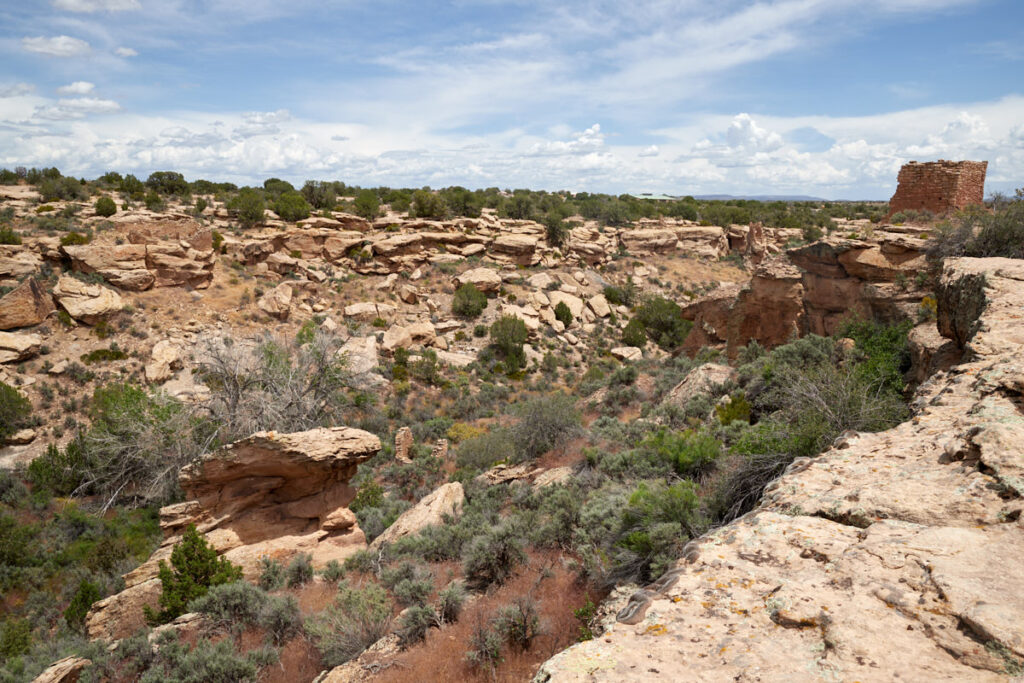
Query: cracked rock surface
point(892, 556)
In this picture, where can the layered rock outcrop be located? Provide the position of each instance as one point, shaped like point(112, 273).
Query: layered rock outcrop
point(888, 557)
point(137, 267)
point(267, 495)
point(813, 289)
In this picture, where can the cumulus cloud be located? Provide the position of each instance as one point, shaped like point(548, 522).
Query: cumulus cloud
point(56, 46)
point(96, 5)
point(261, 123)
point(651, 151)
point(76, 88)
point(125, 52)
point(589, 141)
point(179, 136)
point(16, 90)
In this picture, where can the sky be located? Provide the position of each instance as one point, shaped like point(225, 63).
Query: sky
point(814, 97)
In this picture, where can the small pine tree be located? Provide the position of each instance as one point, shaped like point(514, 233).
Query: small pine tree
point(105, 207)
point(195, 567)
point(563, 314)
point(87, 593)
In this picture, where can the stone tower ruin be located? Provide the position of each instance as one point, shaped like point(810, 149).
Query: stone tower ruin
point(939, 186)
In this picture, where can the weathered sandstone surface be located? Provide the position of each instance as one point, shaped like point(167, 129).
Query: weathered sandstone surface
point(268, 495)
point(892, 556)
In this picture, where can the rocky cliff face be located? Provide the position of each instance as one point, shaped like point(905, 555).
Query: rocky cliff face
point(892, 556)
point(813, 289)
point(268, 495)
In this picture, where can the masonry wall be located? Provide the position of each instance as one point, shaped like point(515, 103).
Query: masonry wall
point(939, 186)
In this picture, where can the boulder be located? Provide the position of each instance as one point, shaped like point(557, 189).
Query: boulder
point(66, 670)
point(405, 336)
point(361, 361)
point(627, 353)
point(368, 311)
point(445, 500)
point(574, 303)
point(484, 279)
point(84, 302)
point(123, 265)
point(269, 495)
point(701, 381)
point(26, 305)
point(16, 347)
point(599, 305)
point(519, 249)
point(277, 303)
point(17, 262)
point(164, 360)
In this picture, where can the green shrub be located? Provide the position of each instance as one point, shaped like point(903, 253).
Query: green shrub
point(450, 601)
point(544, 423)
point(414, 624)
point(657, 520)
point(167, 182)
point(367, 204)
point(484, 645)
point(74, 238)
point(480, 331)
point(691, 453)
point(234, 605)
point(508, 334)
point(300, 570)
point(248, 205)
point(737, 408)
point(519, 622)
point(426, 204)
point(194, 569)
point(105, 207)
point(358, 617)
point(200, 206)
point(291, 206)
point(634, 334)
point(333, 571)
point(492, 557)
point(482, 452)
point(217, 240)
point(15, 638)
point(271, 574)
point(662, 320)
point(15, 409)
point(175, 661)
point(555, 230)
point(9, 236)
point(563, 314)
point(153, 201)
point(468, 302)
point(620, 296)
point(281, 617)
point(85, 595)
point(103, 355)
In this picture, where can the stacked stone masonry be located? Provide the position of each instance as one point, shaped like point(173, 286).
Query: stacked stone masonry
point(939, 186)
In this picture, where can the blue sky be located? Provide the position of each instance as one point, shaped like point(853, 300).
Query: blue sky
point(819, 97)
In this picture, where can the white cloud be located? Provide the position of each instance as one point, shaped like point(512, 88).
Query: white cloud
point(16, 90)
point(125, 52)
point(96, 5)
point(651, 151)
point(56, 46)
point(76, 108)
point(261, 123)
point(76, 88)
point(589, 141)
